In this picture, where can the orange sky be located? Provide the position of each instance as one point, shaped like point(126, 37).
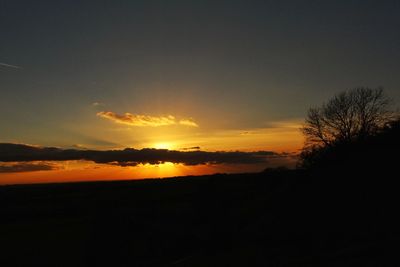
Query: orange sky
point(237, 75)
point(277, 136)
point(75, 171)
point(284, 136)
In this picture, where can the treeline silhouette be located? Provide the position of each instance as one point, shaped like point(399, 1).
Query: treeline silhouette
point(378, 151)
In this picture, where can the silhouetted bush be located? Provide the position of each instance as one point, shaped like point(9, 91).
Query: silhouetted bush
point(378, 151)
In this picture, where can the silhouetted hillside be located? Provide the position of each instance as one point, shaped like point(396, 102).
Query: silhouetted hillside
point(281, 218)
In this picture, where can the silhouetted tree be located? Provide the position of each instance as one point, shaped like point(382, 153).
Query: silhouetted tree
point(350, 116)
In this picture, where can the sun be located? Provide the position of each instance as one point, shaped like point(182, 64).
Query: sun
point(163, 145)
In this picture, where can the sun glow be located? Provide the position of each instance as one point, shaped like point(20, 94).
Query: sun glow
point(163, 145)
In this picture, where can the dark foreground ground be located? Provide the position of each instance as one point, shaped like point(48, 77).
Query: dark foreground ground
point(277, 218)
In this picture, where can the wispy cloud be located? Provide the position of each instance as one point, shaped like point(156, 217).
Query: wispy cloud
point(145, 120)
point(79, 146)
point(96, 104)
point(9, 65)
point(188, 122)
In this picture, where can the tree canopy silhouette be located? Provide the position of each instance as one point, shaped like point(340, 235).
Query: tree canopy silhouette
point(348, 117)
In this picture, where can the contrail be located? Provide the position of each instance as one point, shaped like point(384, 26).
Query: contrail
point(9, 66)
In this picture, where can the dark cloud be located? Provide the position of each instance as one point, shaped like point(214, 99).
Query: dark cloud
point(191, 148)
point(129, 156)
point(26, 167)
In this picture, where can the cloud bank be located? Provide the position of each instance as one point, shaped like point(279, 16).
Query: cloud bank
point(26, 167)
point(145, 120)
point(129, 156)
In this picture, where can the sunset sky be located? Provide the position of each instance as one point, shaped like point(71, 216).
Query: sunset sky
point(215, 75)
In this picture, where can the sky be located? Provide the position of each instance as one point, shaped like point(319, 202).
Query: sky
point(218, 75)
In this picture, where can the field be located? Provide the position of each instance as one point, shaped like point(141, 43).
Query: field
point(268, 219)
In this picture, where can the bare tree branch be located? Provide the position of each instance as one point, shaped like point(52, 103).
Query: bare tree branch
point(350, 115)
